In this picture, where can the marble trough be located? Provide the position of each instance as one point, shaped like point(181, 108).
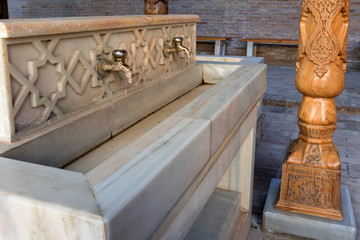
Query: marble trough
point(111, 160)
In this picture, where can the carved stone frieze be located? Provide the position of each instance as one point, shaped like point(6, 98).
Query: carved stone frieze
point(54, 76)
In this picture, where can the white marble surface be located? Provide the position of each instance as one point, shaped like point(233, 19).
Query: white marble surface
point(163, 163)
point(217, 58)
point(99, 155)
point(181, 224)
point(158, 182)
point(38, 202)
point(45, 26)
point(213, 73)
point(150, 165)
point(217, 218)
point(226, 103)
point(208, 59)
point(77, 133)
point(129, 110)
point(51, 91)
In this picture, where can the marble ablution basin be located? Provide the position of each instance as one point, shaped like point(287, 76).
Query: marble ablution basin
point(105, 168)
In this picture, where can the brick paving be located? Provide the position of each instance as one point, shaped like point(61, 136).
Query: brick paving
point(280, 128)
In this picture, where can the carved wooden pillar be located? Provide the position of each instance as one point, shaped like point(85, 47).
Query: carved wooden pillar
point(155, 7)
point(310, 181)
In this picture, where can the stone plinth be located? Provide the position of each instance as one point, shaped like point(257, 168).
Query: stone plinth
point(305, 225)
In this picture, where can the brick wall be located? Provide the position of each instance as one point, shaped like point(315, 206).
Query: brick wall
point(65, 8)
point(231, 18)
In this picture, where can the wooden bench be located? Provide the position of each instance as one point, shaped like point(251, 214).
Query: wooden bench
point(251, 43)
point(220, 43)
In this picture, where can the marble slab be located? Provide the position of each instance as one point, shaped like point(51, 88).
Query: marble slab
point(164, 161)
point(55, 108)
point(208, 59)
point(213, 73)
point(226, 103)
point(39, 202)
point(128, 111)
point(77, 133)
point(215, 219)
point(99, 155)
point(48, 70)
point(45, 26)
point(159, 181)
point(180, 220)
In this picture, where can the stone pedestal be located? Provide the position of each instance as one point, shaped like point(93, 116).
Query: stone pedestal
point(305, 225)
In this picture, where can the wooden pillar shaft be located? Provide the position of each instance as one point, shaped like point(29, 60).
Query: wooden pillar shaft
point(311, 171)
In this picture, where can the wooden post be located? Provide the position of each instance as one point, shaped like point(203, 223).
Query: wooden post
point(311, 174)
point(156, 7)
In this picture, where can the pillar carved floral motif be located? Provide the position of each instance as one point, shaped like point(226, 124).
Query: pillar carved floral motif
point(155, 7)
point(311, 175)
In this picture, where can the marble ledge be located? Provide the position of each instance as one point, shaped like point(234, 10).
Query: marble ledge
point(46, 26)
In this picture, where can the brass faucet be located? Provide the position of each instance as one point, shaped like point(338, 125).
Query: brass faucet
point(104, 65)
point(178, 47)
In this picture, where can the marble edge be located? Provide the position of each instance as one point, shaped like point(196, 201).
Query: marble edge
point(46, 26)
point(47, 174)
point(222, 59)
point(206, 100)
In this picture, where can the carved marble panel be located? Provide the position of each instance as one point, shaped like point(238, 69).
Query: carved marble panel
point(51, 77)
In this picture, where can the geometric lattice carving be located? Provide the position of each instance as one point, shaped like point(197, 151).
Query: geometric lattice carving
point(145, 57)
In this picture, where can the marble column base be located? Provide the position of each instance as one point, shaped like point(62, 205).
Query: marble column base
point(305, 225)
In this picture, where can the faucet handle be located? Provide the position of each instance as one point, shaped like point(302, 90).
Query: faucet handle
point(104, 65)
point(119, 55)
point(178, 40)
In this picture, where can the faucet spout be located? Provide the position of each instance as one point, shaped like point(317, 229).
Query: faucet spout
point(104, 65)
point(185, 50)
point(178, 47)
